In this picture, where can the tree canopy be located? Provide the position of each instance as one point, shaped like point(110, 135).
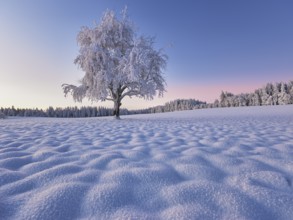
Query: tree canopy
point(117, 63)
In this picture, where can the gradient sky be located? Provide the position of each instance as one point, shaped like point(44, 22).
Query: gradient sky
point(213, 45)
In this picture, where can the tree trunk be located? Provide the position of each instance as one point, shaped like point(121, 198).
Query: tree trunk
point(117, 104)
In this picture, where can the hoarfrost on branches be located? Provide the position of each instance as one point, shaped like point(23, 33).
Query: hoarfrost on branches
point(117, 63)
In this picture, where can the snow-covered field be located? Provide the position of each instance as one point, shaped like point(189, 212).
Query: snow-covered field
point(233, 163)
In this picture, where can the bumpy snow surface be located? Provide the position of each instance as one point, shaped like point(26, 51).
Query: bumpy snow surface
point(232, 163)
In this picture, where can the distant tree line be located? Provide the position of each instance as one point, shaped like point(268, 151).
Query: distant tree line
point(68, 112)
point(177, 105)
point(270, 94)
point(75, 112)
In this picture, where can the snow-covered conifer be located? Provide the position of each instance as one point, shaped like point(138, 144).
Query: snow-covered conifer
point(283, 95)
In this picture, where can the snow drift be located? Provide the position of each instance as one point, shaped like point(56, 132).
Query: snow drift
point(233, 163)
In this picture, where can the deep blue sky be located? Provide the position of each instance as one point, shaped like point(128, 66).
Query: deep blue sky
point(235, 45)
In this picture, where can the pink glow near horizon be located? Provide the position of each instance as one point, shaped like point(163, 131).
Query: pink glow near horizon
point(207, 93)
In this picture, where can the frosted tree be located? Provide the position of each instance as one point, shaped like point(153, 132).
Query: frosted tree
point(117, 63)
point(284, 96)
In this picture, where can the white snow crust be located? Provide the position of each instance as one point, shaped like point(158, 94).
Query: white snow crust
point(229, 163)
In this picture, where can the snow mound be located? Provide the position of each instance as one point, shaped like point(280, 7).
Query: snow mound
point(232, 163)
